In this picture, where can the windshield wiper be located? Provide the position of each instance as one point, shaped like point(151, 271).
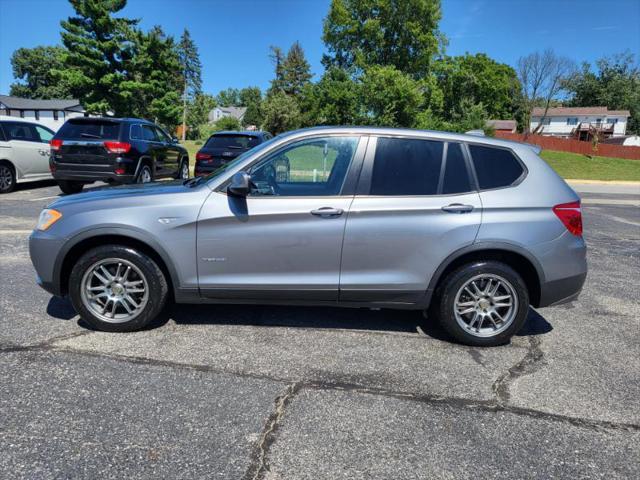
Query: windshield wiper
point(90, 135)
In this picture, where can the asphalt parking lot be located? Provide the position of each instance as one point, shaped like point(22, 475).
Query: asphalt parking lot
point(248, 392)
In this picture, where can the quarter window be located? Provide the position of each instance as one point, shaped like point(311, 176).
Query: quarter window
point(314, 167)
point(406, 167)
point(495, 167)
point(456, 176)
point(149, 133)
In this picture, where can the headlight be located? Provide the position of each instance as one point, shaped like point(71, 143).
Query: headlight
point(48, 217)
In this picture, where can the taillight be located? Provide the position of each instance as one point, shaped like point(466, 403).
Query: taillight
point(119, 171)
point(570, 214)
point(117, 147)
point(55, 144)
point(203, 156)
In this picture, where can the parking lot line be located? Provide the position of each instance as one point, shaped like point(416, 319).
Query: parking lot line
point(15, 232)
point(42, 198)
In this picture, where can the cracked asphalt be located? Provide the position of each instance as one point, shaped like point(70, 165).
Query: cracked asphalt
point(260, 392)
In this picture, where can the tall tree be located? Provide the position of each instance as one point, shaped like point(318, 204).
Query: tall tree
point(615, 83)
point(153, 83)
point(277, 58)
point(543, 76)
point(251, 97)
point(281, 113)
point(98, 45)
point(477, 79)
point(198, 114)
point(36, 68)
point(229, 97)
point(334, 100)
point(296, 71)
point(191, 73)
point(403, 34)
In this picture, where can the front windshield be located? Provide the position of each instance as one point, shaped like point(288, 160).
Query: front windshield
point(239, 159)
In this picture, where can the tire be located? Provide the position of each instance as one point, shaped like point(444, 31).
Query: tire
point(69, 187)
point(7, 178)
point(481, 325)
point(183, 171)
point(131, 296)
point(145, 175)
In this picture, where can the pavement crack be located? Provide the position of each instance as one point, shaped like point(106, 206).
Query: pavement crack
point(259, 465)
point(532, 361)
point(44, 345)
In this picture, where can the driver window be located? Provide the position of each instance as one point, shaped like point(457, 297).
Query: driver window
point(313, 167)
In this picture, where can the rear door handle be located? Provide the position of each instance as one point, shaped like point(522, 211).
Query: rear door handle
point(457, 208)
point(327, 212)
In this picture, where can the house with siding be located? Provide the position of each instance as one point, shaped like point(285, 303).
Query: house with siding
point(52, 113)
point(581, 123)
point(220, 112)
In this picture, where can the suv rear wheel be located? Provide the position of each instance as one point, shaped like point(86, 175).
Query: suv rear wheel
point(183, 171)
point(70, 187)
point(117, 289)
point(7, 178)
point(145, 175)
point(483, 303)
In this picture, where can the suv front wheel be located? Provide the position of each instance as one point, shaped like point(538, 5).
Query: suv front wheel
point(483, 303)
point(116, 288)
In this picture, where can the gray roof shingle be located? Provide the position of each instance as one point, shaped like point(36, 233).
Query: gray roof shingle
point(18, 103)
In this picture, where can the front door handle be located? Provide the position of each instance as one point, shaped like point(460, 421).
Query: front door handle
point(327, 212)
point(457, 208)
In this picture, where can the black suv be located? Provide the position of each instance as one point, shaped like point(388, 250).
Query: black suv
point(222, 147)
point(114, 150)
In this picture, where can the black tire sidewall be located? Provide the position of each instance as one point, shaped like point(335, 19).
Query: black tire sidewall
point(13, 183)
point(139, 179)
point(157, 284)
point(70, 187)
point(454, 281)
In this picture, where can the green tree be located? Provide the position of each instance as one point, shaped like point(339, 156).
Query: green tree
point(229, 97)
point(296, 71)
point(277, 58)
point(477, 79)
point(36, 68)
point(403, 34)
point(251, 97)
point(334, 100)
point(281, 113)
point(198, 114)
point(153, 84)
point(98, 45)
point(390, 97)
point(191, 70)
point(615, 83)
point(228, 123)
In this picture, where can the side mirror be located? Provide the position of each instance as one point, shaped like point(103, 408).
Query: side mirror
point(240, 185)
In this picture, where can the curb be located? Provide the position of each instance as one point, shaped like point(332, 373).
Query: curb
point(603, 182)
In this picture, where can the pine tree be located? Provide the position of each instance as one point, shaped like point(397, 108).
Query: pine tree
point(98, 45)
point(191, 74)
point(296, 71)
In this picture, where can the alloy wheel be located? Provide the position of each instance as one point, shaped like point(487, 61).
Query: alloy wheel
point(114, 290)
point(486, 305)
point(145, 175)
point(6, 178)
point(184, 171)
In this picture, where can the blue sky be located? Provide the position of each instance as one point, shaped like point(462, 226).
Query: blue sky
point(234, 35)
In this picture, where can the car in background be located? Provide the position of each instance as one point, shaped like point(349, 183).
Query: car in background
point(114, 150)
point(24, 152)
point(471, 229)
point(222, 147)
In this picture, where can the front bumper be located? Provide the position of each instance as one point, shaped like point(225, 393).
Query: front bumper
point(43, 250)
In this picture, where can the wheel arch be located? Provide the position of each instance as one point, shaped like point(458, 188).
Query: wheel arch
point(112, 236)
point(516, 257)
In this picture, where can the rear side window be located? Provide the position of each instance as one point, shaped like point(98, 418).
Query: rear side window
point(406, 167)
point(20, 131)
point(136, 132)
point(232, 141)
point(99, 129)
point(495, 167)
point(456, 175)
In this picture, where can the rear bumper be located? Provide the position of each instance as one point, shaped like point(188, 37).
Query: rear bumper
point(561, 291)
point(85, 176)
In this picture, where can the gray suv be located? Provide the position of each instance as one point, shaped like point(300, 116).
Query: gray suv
point(470, 229)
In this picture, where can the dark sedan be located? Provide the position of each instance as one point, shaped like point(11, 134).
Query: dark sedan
point(223, 147)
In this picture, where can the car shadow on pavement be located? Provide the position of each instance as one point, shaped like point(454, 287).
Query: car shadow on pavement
point(406, 321)
point(34, 185)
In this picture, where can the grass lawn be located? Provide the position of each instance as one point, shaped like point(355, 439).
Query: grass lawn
point(577, 166)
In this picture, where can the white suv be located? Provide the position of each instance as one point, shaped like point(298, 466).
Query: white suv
point(24, 152)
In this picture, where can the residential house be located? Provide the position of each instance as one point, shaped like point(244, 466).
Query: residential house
point(581, 123)
point(220, 112)
point(508, 126)
point(52, 113)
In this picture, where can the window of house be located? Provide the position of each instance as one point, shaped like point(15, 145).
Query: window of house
point(406, 167)
point(572, 121)
point(495, 167)
point(313, 167)
point(612, 121)
point(598, 121)
point(546, 121)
